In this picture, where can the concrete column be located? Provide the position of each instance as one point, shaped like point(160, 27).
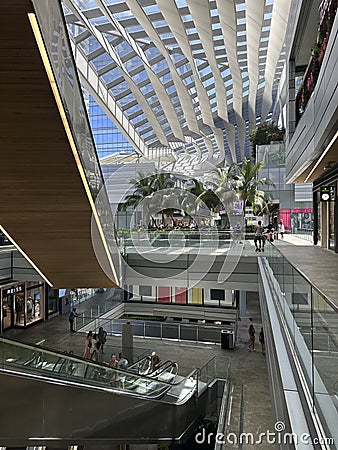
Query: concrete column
point(128, 342)
point(242, 304)
point(325, 224)
point(228, 297)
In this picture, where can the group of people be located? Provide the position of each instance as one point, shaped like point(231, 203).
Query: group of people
point(121, 363)
point(252, 339)
point(94, 345)
point(263, 233)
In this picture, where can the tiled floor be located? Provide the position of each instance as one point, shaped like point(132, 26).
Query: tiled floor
point(318, 264)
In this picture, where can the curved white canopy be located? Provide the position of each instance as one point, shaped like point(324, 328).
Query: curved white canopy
point(191, 76)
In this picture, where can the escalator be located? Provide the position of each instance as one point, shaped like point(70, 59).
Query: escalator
point(164, 371)
point(60, 398)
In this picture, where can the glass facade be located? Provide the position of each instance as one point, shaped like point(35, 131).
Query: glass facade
point(108, 139)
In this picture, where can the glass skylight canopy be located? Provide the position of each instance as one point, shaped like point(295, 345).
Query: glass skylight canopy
point(186, 77)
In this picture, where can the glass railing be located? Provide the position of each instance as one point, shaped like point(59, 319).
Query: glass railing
point(44, 364)
point(153, 329)
point(312, 324)
point(176, 241)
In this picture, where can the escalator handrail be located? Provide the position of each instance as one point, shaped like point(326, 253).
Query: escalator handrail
point(68, 356)
point(50, 376)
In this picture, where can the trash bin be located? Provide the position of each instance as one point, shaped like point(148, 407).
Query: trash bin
point(227, 339)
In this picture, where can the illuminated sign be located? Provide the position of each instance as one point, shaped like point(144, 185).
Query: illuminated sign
point(13, 290)
point(324, 194)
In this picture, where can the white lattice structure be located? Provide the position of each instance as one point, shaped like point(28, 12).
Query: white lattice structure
point(191, 77)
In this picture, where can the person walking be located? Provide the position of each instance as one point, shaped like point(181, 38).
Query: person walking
point(252, 338)
point(88, 345)
point(259, 239)
point(73, 314)
point(262, 341)
point(101, 339)
point(281, 229)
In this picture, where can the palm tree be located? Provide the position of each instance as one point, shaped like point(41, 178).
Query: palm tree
point(202, 194)
point(161, 181)
point(145, 188)
point(142, 190)
point(246, 182)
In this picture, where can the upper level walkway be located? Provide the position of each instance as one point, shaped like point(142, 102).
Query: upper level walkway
point(317, 264)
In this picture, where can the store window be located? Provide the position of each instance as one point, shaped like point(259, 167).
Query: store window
point(81, 295)
point(13, 306)
point(145, 293)
point(35, 301)
point(22, 304)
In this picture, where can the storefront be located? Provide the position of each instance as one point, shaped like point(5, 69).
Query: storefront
point(22, 304)
point(326, 210)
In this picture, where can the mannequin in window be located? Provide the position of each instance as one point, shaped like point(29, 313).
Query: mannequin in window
point(29, 309)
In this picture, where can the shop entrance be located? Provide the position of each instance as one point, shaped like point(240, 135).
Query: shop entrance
point(12, 310)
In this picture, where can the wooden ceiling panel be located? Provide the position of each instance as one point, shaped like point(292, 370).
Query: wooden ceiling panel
point(43, 203)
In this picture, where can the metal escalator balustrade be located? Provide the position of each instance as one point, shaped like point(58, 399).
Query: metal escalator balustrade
point(165, 371)
point(50, 366)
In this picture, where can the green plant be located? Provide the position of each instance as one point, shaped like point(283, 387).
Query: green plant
point(246, 183)
point(264, 134)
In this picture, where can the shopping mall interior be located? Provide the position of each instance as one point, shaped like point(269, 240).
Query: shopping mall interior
point(168, 224)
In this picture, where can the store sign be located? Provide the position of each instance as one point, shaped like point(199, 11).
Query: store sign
point(13, 290)
point(324, 194)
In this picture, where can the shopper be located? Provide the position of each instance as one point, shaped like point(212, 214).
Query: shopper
point(259, 238)
point(113, 362)
point(123, 362)
point(154, 361)
point(262, 340)
point(101, 338)
point(71, 319)
point(281, 229)
point(88, 345)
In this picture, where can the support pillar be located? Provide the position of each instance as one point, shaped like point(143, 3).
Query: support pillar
point(242, 304)
point(228, 297)
point(128, 342)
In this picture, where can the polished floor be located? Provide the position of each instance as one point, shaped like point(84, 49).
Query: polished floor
point(317, 264)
